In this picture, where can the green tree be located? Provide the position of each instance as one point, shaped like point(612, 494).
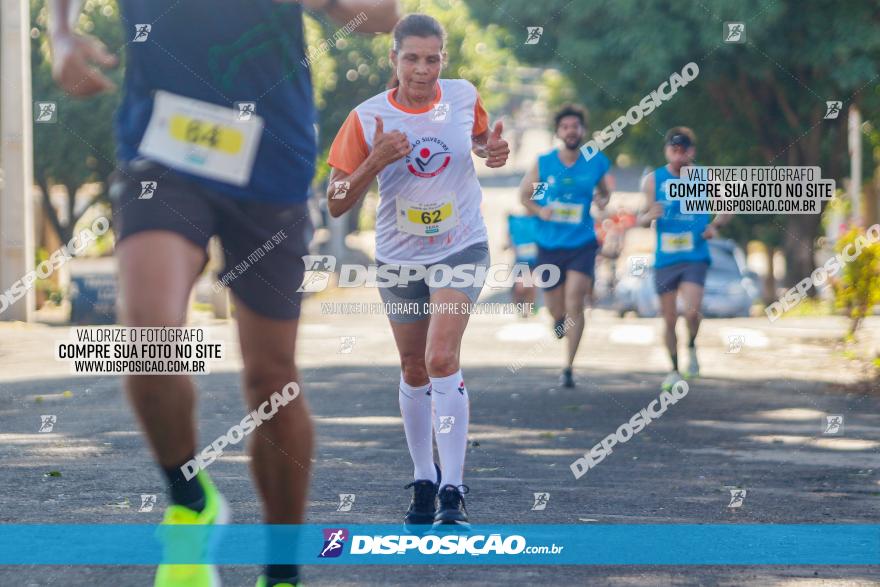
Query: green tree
point(857, 290)
point(871, 129)
point(79, 147)
point(761, 102)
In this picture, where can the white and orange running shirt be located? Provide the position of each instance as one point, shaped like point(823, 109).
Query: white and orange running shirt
point(429, 201)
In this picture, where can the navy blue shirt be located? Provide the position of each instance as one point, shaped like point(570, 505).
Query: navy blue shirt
point(227, 51)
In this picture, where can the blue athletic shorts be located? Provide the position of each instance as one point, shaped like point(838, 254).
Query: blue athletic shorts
point(581, 259)
point(667, 279)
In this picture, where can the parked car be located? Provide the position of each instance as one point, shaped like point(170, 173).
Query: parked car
point(731, 288)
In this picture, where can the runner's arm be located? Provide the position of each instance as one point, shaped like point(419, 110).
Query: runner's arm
point(359, 181)
point(353, 161)
point(485, 143)
point(722, 220)
point(713, 227)
point(527, 188)
point(478, 144)
point(604, 193)
point(381, 15)
point(62, 14)
point(652, 209)
point(75, 56)
point(491, 146)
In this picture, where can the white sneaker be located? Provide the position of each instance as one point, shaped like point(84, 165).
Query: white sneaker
point(671, 379)
point(693, 365)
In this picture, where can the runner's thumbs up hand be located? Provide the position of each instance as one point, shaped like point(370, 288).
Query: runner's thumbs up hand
point(388, 147)
point(497, 148)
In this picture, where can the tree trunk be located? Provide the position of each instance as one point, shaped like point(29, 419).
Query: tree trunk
point(51, 213)
point(770, 279)
point(71, 207)
point(872, 196)
point(802, 230)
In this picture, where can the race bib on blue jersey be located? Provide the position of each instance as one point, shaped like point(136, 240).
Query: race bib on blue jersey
point(202, 138)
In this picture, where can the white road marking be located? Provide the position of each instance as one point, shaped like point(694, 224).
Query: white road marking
point(523, 332)
point(632, 334)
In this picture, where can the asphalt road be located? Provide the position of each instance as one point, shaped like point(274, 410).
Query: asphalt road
point(754, 421)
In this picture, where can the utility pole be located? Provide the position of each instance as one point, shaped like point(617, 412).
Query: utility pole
point(16, 156)
point(855, 164)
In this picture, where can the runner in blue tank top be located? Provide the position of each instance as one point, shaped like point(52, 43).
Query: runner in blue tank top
point(559, 191)
point(521, 232)
point(682, 253)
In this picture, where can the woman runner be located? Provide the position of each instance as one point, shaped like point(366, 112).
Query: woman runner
point(417, 139)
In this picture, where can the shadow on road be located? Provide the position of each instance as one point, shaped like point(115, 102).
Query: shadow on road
point(525, 432)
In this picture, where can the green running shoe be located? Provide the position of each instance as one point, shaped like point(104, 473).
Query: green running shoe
point(216, 512)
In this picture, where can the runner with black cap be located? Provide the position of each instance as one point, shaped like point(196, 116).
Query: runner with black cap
point(682, 254)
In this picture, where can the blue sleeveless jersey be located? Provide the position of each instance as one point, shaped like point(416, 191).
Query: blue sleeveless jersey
point(679, 236)
point(222, 52)
point(522, 236)
point(569, 191)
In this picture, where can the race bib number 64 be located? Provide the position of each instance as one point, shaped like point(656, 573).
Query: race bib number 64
point(202, 138)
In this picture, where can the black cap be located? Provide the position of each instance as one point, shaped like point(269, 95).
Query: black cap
point(679, 140)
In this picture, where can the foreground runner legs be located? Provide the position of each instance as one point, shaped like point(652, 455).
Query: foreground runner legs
point(244, 179)
point(157, 267)
point(681, 259)
point(417, 139)
point(213, 511)
point(559, 191)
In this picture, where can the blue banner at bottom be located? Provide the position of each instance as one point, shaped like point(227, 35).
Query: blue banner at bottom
point(667, 544)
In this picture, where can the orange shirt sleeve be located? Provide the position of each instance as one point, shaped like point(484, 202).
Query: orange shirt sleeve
point(481, 119)
point(349, 148)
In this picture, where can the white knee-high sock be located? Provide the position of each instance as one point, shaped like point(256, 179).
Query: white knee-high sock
point(451, 415)
point(415, 408)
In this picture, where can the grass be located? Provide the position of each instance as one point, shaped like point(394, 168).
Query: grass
point(811, 308)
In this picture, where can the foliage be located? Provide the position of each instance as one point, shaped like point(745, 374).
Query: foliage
point(858, 289)
point(761, 102)
point(79, 147)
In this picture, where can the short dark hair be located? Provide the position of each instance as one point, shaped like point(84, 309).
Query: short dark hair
point(417, 25)
point(571, 110)
point(680, 135)
point(414, 25)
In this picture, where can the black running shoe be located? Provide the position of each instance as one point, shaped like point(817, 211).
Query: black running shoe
point(559, 328)
point(424, 502)
point(452, 511)
point(566, 379)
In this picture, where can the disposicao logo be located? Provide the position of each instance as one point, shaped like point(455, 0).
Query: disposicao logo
point(334, 541)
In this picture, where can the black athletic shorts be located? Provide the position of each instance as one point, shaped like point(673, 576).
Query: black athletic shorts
point(581, 259)
point(263, 243)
